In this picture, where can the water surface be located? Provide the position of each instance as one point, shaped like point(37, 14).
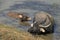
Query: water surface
point(31, 7)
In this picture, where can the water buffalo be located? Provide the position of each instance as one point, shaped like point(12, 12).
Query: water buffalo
point(24, 18)
point(21, 16)
point(43, 23)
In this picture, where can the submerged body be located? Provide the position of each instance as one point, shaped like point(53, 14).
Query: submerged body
point(21, 16)
point(24, 18)
point(43, 23)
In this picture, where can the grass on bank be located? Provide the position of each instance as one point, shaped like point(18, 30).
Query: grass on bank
point(10, 33)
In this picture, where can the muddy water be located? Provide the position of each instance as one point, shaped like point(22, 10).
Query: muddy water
point(31, 8)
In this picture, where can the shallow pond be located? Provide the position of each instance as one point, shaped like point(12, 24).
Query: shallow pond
point(31, 8)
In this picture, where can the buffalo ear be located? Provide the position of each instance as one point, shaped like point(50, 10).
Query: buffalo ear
point(20, 16)
point(29, 18)
point(32, 25)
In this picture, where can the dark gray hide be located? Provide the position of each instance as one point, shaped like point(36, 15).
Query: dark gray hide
point(43, 23)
